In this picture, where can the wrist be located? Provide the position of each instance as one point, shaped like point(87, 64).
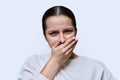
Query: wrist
point(55, 62)
point(50, 69)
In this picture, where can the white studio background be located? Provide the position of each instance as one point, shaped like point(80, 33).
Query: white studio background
point(98, 23)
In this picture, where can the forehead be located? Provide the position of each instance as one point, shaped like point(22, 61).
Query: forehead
point(57, 21)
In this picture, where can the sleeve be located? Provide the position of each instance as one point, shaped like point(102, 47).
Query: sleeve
point(106, 74)
point(27, 72)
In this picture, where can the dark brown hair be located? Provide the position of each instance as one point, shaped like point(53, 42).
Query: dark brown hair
point(58, 10)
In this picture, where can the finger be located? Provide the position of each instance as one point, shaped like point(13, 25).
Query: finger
point(69, 52)
point(56, 44)
point(70, 49)
point(68, 55)
point(72, 44)
point(68, 42)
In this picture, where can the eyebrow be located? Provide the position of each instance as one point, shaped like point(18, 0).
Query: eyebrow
point(69, 29)
point(52, 31)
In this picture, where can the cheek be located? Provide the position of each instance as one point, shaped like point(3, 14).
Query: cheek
point(52, 41)
point(70, 35)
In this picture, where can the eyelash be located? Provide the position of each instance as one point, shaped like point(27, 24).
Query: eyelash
point(53, 32)
point(66, 31)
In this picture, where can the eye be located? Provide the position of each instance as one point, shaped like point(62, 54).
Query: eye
point(53, 33)
point(68, 30)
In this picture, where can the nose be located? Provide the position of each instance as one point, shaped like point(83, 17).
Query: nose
point(62, 38)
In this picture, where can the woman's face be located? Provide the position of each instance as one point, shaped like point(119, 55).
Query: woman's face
point(59, 28)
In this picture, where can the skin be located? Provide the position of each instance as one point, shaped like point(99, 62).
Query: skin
point(60, 35)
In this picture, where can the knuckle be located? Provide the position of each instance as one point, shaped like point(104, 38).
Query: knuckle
point(63, 50)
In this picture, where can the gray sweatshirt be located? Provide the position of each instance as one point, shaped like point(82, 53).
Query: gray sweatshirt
point(81, 68)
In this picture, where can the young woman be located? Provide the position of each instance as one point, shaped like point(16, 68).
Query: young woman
point(59, 28)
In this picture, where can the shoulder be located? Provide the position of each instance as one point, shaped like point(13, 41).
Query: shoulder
point(90, 63)
point(34, 62)
point(98, 67)
point(37, 58)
